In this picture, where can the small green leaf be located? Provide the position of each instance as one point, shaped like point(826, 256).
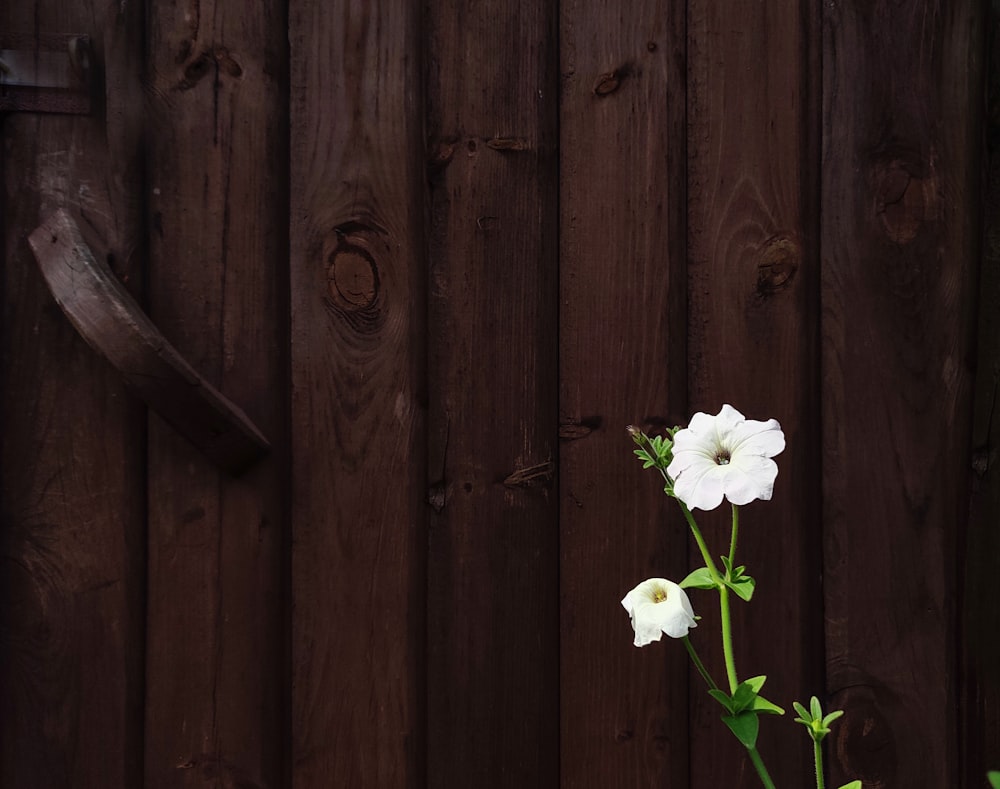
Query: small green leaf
point(743, 587)
point(699, 579)
point(815, 709)
point(760, 704)
point(746, 692)
point(831, 717)
point(723, 698)
point(994, 778)
point(804, 716)
point(853, 785)
point(743, 698)
point(745, 726)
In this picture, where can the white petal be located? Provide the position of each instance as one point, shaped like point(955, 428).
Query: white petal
point(650, 619)
point(688, 440)
point(751, 477)
point(728, 420)
point(759, 438)
point(685, 459)
point(701, 486)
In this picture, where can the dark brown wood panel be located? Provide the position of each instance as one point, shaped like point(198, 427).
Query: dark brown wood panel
point(493, 569)
point(622, 323)
point(899, 234)
point(71, 469)
point(979, 624)
point(358, 403)
point(216, 212)
point(753, 279)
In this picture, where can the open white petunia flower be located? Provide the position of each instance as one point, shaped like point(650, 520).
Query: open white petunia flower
point(727, 456)
point(658, 606)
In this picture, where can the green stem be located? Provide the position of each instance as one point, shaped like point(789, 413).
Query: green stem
point(727, 630)
point(818, 756)
point(758, 763)
point(712, 570)
point(732, 540)
point(727, 638)
point(698, 664)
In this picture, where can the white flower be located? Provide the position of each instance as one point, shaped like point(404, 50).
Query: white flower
point(725, 455)
point(658, 606)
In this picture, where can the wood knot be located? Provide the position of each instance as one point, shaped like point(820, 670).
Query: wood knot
point(865, 745)
point(509, 144)
point(540, 473)
point(905, 198)
point(441, 154)
point(575, 429)
point(352, 278)
point(606, 84)
point(218, 59)
point(779, 260)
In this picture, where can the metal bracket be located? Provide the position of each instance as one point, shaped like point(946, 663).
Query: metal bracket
point(46, 73)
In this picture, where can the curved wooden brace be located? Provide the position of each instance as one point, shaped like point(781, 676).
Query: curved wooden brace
point(114, 325)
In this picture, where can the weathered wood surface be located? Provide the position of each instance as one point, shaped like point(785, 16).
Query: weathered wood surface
point(442, 254)
point(71, 480)
point(979, 623)
point(751, 337)
point(114, 325)
point(622, 316)
point(899, 240)
point(358, 400)
point(493, 633)
point(216, 203)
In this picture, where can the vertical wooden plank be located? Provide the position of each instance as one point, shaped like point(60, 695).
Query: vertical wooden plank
point(71, 466)
point(622, 314)
point(899, 241)
point(492, 564)
point(752, 337)
point(358, 400)
point(217, 212)
point(979, 699)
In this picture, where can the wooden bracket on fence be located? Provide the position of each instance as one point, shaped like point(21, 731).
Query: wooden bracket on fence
point(46, 73)
point(114, 325)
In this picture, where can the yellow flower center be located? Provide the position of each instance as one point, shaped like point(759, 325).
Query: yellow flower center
point(659, 595)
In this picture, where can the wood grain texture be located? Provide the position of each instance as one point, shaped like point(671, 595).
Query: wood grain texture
point(71, 478)
point(493, 635)
point(358, 402)
point(979, 623)
point(899, 234)
point(622, 315)
point(217, 207)
point(752, 339)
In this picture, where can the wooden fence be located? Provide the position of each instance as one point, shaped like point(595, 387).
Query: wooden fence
point(441, 254)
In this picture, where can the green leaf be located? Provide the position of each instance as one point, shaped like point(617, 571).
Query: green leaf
point(831, 717)
point(815, 709)
point(746, 692)
point(743, 587)
point(760, 704)
point(853, 785)
point(745, 726)
point(804, 716)
point(994, 778)
point(699, 579)
point(723, 698)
